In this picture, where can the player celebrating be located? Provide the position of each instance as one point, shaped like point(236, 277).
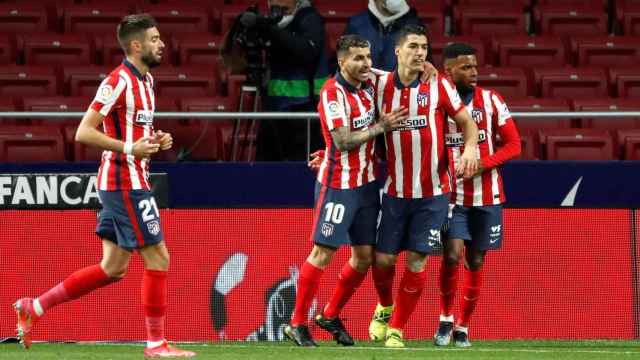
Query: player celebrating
point(416, 193)
point(346, 195)
point(475, 223)
point(129, 220)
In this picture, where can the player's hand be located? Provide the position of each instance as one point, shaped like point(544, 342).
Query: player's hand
point(428, 72)
point(145, 147)
point(316, 160)
point(393, 120)
point(164, 139)
point(468, 164)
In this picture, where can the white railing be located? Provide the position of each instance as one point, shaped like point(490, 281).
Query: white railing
point(302, 116)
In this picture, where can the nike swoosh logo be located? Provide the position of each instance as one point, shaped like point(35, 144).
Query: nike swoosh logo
point(410, 290)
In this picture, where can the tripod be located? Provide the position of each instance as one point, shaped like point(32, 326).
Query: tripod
point(245, 90)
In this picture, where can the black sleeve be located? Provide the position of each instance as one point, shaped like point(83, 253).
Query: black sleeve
point(304, 47)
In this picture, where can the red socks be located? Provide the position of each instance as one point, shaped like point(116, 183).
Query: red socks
point(307, 287)
point(448, 286)
point(411, 287)
point(470, 295)
point(154, 300)
point(348, 281)
point(383, 281)
point(77, 284)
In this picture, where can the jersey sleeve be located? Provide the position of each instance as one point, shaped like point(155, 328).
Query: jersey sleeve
point(334, 108)
point(108, 94)
point(449, 98)
point(507, 130)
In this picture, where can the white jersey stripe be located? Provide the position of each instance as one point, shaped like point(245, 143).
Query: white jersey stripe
point(488, 105)
point(397, 148)
point(435, 176)
point(362, 149)
point(131, 106)
point(416, 147)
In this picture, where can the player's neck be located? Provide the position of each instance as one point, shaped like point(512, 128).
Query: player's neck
point(407, 76)
point(352, 81)
point(139, 65)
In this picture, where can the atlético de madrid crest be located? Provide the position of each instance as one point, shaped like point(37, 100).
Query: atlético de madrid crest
point(423, 98)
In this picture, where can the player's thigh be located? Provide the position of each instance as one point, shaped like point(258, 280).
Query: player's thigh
point(428, 215)
point(130, 219)
point(365, 222)
point(334, 212)
point(393, 225)
point(485, 224)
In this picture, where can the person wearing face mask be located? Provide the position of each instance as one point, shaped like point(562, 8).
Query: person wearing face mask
point(380, 24)
point(296, 70)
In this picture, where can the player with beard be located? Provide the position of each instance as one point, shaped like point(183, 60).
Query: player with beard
point(129, 219)
point(475, 218)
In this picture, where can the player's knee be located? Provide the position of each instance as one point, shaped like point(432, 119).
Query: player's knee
point(451, 259)
point(362, 263)
point(385, 261)
point(116, 273)
point(321, 256)
point(475, 262)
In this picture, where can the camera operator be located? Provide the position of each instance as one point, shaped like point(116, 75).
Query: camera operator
point(296, 70)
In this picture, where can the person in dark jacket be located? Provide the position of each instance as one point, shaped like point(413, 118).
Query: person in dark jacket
point(379, 24)
point(296, 70)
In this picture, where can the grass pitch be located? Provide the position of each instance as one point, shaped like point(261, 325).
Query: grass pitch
point(494, 350)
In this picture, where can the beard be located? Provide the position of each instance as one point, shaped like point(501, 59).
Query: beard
point(150, 60)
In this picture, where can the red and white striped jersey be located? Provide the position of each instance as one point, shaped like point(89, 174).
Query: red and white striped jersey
point(126, 100)
point(489, 111)
point(416, 155)
point(342, 104)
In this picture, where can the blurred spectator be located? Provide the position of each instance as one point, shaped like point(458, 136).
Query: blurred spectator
point(379, 24)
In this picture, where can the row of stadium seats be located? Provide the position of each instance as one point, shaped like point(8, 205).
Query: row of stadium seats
point(201, 140)
point(513, 83)
point(484, 18)
point(204, 48)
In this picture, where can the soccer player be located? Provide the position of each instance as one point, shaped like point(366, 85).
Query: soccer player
point(416, 193)
point(129, 220)
point(346, 194)
point(475, 223)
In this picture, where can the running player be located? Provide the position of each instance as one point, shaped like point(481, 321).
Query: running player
point(475, 223)
point(416, 193)
point(346, 194)
point(129, 219)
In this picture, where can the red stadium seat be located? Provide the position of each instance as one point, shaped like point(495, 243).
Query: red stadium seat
point(333, 31)
point(629, 18)
point(439, 43)
point(526, 51)
point(626, 81)
point(84, 80)
point(533, 105)
point(179, 18)
point(495, 4)
point(7, 50)
point(22, 18)
point(339, 13)
point(530, 145)
point(511, 83)
point(432, 16)
point(485, 21)
point(109, 49)
point(19, 81)
point(200, 48)
point(93, 19)
point(57, 104)
point(578, 144)
point(632, 149)
point(572, 83)
point(569, 20)
point(77, 151)
point(185, 82)
point(608, 104)
point(57, 49)
point(606, 51)
point(32, 144)
point(7, 105)
point(593, 3)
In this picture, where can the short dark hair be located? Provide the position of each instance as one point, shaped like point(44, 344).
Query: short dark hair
point(452, 51)
point(410, 29)
point(133, 25)
point(348, 41)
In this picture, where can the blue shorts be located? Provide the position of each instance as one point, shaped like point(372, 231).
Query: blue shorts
point(479, 226)
point(412, 224)
point(345, 216)
point(129, 218)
